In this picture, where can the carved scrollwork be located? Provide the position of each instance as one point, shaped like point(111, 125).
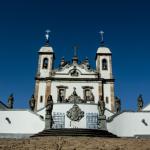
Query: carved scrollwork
point(75, 113)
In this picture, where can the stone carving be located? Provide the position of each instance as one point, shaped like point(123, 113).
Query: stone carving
point(101, 106)
point(117, 104)
point(101, 116)
point(32, 103)
point(140, 102)
point(74, 98)
point(10, 101)
point(75, 113)
point(49, 109)
point(74, 72)
point(49, 106)
point(85, 64)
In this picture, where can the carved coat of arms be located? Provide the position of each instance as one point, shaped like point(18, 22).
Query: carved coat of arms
point(75, 113)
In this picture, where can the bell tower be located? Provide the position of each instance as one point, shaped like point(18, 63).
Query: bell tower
point(104, 69)
point(45, 67)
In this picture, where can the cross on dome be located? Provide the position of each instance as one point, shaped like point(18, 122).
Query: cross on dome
point(102, 35)
point(47, 36)
point(102, 38)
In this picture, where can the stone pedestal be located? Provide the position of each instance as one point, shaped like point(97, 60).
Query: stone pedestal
point(48, 122)
point(102, 122)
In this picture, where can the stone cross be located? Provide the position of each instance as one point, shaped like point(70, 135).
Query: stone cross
point(47, 35)
point(102, 35)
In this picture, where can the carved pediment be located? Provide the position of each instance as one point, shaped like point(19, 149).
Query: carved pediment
point(74, 70)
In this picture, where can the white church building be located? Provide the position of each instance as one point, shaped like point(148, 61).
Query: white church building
point(73, 83)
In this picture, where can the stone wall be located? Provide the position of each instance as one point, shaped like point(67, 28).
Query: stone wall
point(75, 143)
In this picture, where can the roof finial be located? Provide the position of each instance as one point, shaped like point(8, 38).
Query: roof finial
point(102, 37)
point(47, 36)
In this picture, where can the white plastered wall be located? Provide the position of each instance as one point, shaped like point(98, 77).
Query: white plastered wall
point(87, 108)
point(129, 124)
point(22, 122)
point(41, 92)
point(107, 93)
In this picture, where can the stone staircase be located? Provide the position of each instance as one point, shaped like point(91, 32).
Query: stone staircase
point(75, 132)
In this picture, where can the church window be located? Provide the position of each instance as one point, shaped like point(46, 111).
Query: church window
point(91, 120)
point(45, 63)
point(88, 95)
point(41, 99)
point(61, 93)
point(107, 100)
point(104, 64)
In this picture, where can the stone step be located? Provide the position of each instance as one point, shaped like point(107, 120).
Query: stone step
point(75, 132)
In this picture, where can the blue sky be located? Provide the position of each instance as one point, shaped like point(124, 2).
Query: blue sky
point(126, 25)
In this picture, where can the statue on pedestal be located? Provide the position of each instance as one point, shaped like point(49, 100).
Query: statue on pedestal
point(74, 98)
point(49, 109)
point(117, 104)
point(101, 106)
point(101, 116)
point(140, 102)
point(32, 103)
point(10, 101)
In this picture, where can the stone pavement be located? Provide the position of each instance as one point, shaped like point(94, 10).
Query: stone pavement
point(74, 143)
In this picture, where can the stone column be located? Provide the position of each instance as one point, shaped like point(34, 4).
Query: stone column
point(48, 90)
point(36, 93)
point(112, 97)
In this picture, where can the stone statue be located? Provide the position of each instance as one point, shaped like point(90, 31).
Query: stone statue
point(74, 72)
point(101, 117)
point(10, 101)
point(74, 98)
point(74, 92)
point(140, 102)
point(101, 106)
point(117, 104)
point(49, 109)
point(49, 106)
point(32, 103)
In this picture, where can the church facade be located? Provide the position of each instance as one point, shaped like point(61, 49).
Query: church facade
point(89, 84)
point(75, 90)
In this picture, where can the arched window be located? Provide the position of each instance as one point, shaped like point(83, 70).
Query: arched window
point(45, 63)
point(104, 64)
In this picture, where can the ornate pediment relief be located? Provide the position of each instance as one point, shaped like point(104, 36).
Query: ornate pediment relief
point(74, 70)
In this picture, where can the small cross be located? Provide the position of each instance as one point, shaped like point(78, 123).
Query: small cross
point(47, 34)
point(102, 35)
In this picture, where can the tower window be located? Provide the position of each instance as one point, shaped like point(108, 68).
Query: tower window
point(104, 64)
point(41, 99)
point(45, 63)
